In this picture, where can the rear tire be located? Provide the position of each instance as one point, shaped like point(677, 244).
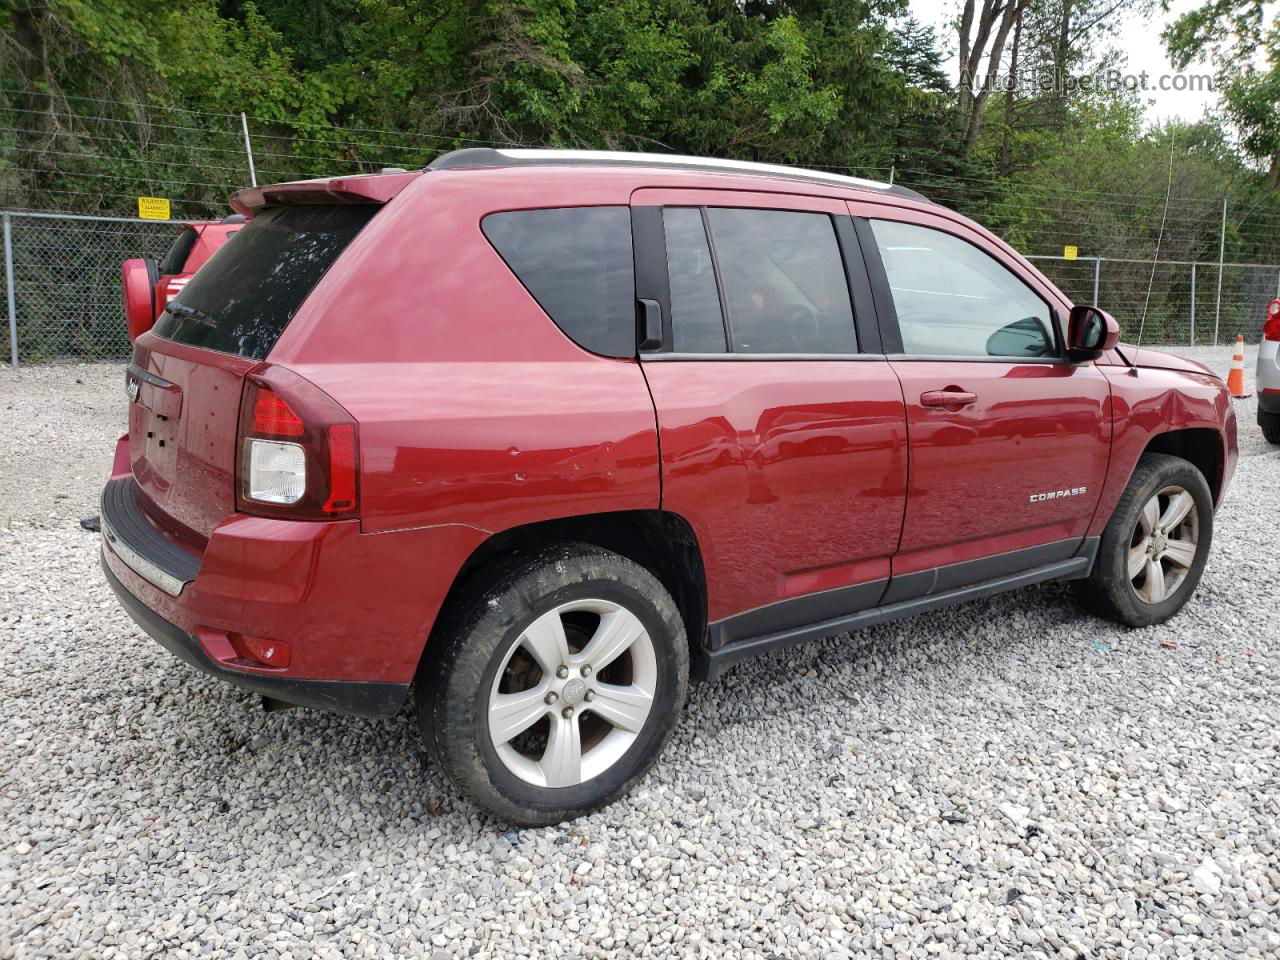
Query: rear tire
point(1154, 549)
point(550, 688)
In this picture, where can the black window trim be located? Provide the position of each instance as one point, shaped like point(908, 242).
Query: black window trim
point(653, 283)
point(649, 255)
point(891, 333)
point(725, 319)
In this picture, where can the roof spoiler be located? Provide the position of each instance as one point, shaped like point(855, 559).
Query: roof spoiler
point(364, 188)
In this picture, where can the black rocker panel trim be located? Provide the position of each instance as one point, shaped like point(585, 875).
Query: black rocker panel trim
point(996, 575)
point(785, 614)
point(908, 586)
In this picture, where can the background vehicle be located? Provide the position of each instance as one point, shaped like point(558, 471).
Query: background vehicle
point(1269, 375)
point(149, 285)
point(546, 432)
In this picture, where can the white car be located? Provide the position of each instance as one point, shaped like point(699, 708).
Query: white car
point(1269, 374)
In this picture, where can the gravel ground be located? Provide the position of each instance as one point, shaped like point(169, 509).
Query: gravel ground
point(1009, 777)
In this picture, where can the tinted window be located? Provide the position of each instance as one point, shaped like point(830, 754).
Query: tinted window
point(784, 284)
point(696, 323)
point(576, 262)
point(954, 300)
point(247, 294)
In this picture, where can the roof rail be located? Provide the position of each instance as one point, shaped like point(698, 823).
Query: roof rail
point(476, 157)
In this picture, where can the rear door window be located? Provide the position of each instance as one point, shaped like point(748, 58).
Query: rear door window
point(697, 325)
point(243, 298)
point(576, 262)
point(783, 281)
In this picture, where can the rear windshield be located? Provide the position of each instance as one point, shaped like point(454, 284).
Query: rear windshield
point(243, 298)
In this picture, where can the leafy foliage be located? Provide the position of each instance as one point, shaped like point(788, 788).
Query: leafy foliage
point(104, 100)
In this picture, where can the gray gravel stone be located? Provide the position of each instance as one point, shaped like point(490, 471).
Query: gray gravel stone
point(849, 798)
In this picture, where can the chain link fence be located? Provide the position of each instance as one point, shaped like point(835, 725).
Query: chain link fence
point(62, 281)
point(1183, 302)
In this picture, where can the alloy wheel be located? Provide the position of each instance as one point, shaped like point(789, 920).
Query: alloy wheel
point(573, 693)
point(1163, 545)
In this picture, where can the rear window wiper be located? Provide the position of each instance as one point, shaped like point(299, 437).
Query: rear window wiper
point(182, 310)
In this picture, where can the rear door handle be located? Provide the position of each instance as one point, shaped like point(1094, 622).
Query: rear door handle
point(950, 397)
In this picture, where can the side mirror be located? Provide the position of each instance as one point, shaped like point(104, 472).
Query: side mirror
point(138, 282)
point(1090, 333)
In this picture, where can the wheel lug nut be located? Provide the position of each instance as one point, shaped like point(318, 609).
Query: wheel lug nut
point(591, 695)
point(562, 672)
point(551, 697)
point(586, 670)
point(567, 713)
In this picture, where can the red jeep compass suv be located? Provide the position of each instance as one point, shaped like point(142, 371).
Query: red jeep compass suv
point(543, 434)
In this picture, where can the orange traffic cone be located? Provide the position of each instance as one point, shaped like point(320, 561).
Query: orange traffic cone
point(1235, 379)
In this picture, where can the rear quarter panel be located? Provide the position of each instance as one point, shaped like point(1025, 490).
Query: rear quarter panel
point(1148, 402)
point(474, 408)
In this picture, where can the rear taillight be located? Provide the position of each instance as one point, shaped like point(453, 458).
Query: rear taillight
point(1271, 329)
point(299, 450)
point(174, 287)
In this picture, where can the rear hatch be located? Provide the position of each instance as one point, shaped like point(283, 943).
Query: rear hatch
point(189, 370)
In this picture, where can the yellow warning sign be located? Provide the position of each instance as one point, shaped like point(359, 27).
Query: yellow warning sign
point(153, 208)
point(1068, 252)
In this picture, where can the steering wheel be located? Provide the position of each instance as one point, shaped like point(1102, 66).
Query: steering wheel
point(802, 326)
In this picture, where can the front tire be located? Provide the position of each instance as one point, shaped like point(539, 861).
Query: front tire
point(552, 687)
point(1154, 549)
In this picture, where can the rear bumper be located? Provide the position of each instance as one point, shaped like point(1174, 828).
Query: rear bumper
point(1269, 403)
point(354, 609)
point(341, 696)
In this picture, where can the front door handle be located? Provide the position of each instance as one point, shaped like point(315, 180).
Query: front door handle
point(948, 397)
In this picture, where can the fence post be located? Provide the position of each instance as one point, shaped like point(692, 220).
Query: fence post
point(1193, 304)
point(1097, 277)
point(248, 149)
point(1222, 256)
point(10, 298)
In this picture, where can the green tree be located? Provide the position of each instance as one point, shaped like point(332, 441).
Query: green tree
point(1234, 35)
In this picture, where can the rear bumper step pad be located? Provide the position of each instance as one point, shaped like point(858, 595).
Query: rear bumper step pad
point(139, 545)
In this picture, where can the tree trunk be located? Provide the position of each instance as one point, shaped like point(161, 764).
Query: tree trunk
point(964, 86)
point(1006, 141)
point(1062, 55)
point(1011, 11)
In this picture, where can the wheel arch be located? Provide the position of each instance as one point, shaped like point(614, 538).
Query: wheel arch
point(1202, 447)
point(658, 540)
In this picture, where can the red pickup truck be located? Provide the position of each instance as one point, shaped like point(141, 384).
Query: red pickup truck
point(548, 434)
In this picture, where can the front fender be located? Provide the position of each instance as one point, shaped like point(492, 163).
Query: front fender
point(1148, 403)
